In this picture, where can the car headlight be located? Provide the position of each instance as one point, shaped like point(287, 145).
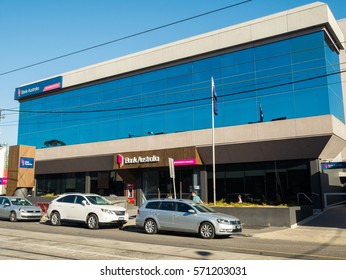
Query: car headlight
point(222, 221)
point(108, 211)
point(22, 210)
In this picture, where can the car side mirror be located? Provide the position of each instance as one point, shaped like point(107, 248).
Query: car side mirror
point(84, 202)
point(191, 211)
point(6, 204)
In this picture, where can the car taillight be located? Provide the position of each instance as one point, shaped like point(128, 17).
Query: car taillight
point(138, 212)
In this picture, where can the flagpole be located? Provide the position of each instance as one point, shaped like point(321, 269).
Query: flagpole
point(213, 137)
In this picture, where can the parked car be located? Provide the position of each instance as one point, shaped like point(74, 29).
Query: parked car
point(185, 216)
point(18, 208)
point(91, 209)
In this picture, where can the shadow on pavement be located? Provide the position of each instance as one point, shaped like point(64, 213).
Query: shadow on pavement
point(332, 217)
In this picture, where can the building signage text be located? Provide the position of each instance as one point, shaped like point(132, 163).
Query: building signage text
point(136, 160)
point(333, 165)
point(26, 162)
point(39, 87)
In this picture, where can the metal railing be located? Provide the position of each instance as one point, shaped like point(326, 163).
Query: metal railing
point(304, 195)
point(337, 200)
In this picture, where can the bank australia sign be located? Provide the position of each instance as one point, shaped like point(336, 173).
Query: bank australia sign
point(26, 162)
point(136, 160)
point(38, 88)
point(157, 158)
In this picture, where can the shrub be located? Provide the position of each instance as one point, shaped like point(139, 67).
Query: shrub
point(223, 203)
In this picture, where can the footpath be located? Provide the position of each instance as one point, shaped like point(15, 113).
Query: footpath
point(327, 227)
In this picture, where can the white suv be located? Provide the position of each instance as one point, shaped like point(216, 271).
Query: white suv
point(91, 209)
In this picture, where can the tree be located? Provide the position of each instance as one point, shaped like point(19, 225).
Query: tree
point(53, 143)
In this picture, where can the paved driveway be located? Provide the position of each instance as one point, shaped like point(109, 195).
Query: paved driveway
point(328, 227)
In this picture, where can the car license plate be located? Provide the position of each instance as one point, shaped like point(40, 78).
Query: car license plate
point(121, 218)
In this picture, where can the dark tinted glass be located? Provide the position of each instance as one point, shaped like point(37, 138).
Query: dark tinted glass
point(183, 207)
point(67, 199)
point(153, 205)
point(79, 199)
point(167, 205)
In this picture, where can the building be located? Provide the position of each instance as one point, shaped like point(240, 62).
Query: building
point(3, 167)
point(280, 135)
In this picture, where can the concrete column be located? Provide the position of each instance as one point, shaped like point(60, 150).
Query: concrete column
point(316, 184)
point(204, 184)
point(87, 182)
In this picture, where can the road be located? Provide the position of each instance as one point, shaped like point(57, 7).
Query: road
point(41, 241)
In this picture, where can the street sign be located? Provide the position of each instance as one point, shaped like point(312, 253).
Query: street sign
point(172, 173)
point(171, 168)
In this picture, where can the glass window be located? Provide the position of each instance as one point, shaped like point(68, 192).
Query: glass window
point(203, 208)
point(167, 206)
point(281, 76)
point(79, 199)
point(20, 201)
point(97, 200)
point(67, 199)
point(5, 201)
point(183, 207)
point(317, 100)
point(278, 106)
point(265, 182)
point(152, 205)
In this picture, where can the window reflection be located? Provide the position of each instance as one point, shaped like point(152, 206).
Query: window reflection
point(291, 78)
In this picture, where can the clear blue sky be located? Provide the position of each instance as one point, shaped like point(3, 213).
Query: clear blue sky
point(32, 31)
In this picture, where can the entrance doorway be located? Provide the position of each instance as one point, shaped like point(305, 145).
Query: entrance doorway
point(157, 183)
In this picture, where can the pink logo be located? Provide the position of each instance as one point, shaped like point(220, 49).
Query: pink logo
point(18, 92)
point(51, 87)
point(120, 160)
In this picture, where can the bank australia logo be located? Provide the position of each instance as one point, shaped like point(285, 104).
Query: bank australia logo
point(26, 162)
point(120, 160)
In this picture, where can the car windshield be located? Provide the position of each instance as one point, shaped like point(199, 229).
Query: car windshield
point(203, 208)
point(20, 201)
point(97, 200)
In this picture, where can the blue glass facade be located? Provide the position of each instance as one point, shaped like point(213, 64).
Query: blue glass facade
point(292, 78)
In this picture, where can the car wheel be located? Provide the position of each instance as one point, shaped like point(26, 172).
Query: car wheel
point(55, 219)
point(207, 230)
point(150, 226)
point(13, 217)
point(92, 221)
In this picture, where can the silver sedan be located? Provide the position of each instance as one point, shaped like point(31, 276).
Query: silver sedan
point(18, 208)
point(185, 216)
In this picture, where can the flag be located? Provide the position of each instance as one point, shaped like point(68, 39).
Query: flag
point(213, 90)
point(261, 113)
